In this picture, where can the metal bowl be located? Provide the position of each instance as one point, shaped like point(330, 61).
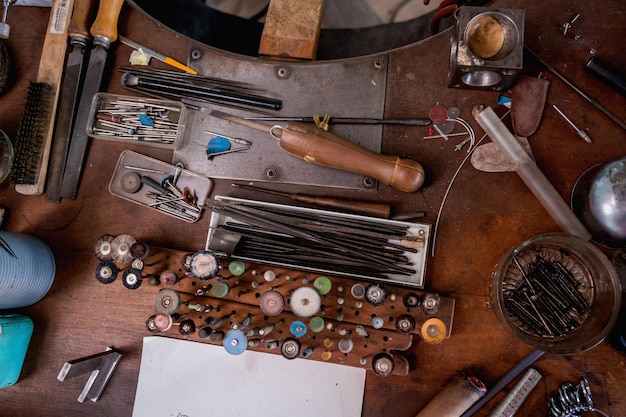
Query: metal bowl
point(592, 275)
point(599, 201)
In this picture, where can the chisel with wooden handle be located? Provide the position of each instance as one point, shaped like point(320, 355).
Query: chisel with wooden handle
point(104, 32)
point(321, 147)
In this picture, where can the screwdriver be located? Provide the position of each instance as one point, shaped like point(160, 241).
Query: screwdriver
point(318, 146)
point(361, 207)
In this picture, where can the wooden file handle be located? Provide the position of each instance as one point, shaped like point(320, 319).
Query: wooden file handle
point(381, 210)
point(81, 17)
point(105, 25)
point(324, 148)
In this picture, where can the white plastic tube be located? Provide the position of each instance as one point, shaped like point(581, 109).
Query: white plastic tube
point(532, 176)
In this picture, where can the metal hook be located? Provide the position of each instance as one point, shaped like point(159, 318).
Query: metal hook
point(272, 134)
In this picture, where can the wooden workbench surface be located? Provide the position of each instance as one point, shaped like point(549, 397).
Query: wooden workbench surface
point(485, 214)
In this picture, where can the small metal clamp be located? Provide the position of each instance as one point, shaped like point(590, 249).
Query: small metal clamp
point(101, 365)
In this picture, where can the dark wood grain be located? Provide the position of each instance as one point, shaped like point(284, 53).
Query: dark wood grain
point(485, 214)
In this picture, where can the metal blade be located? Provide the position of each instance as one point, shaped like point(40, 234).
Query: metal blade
point(68, 97)
point(79, 140)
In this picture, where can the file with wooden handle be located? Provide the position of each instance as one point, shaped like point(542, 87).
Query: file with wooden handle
point(321, 147)
point(104, 32)
point(77, 56)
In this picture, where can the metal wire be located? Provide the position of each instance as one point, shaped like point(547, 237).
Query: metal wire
point(572, 401)
point(445, 196)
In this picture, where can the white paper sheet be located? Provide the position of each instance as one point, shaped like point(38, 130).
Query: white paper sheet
point(181, 378)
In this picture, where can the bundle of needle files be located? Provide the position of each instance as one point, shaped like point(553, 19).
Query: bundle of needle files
point(179, 86)
point(321, 241)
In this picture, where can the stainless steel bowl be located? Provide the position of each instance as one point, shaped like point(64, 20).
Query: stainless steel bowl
point(599, 201)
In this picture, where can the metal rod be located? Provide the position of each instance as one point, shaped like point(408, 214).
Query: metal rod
point(241, 121)
point(165, 74)
point(257, 238)
point(329, 218)
point(504, 381)
point(183, 88)
point(282, 223)
point(364, 224)
point(584, 95)
point(330, 241)
point(448, 135)
point(355, 206)
point(346, 120)
point(578, 130)
point(236, 140)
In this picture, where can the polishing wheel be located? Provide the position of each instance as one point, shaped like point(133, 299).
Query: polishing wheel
point(130, 182)
point(305, 302)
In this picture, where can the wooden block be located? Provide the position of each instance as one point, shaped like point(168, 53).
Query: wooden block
point(247, 295)
point(292, 29)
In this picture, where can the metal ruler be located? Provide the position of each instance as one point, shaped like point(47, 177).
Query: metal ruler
point(514, 399)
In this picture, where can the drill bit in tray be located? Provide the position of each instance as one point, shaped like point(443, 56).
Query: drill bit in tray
point(320, 241)
point(178, 86)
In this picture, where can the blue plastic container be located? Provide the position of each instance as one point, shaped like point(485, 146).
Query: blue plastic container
point(15, 333)
point(28, 273)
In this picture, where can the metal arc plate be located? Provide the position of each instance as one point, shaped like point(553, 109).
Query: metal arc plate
point(346, 88)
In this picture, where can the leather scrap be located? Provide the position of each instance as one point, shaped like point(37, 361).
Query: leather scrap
point(489, 158)
point(528, 99)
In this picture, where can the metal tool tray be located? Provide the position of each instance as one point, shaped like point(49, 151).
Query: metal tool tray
point(350, 88)
point(418, 259)
point(100, 100)
point(200, 184)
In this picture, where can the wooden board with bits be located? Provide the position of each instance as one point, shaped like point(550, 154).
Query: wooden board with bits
point(242, 305)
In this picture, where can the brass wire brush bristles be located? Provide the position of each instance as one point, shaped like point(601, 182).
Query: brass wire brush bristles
point(31, 134)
